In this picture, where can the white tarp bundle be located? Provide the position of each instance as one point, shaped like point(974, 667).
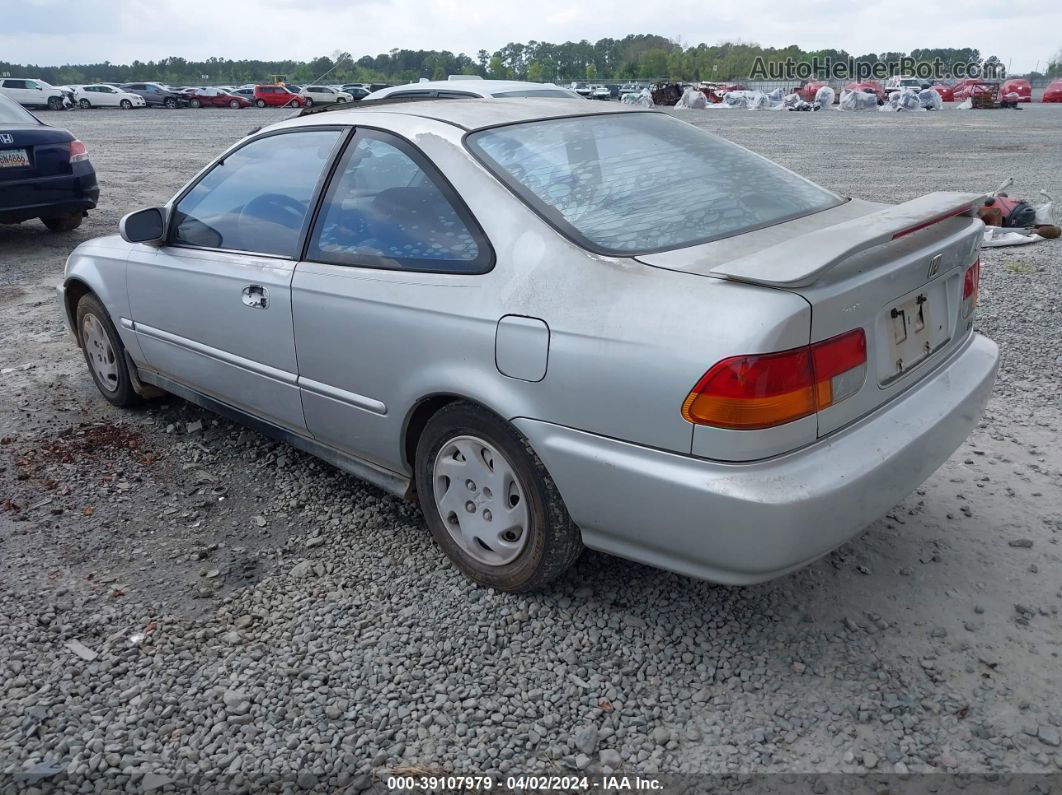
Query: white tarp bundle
point(997, 237)
point(824, 96)
point(692, 99)
point(753, 100)
point(930, 99)
point(905, 99)
point(643, 100)
point(858, 100)
point(966, 104)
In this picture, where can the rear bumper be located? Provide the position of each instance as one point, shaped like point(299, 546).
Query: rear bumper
point(38, 197)
point(746, 523)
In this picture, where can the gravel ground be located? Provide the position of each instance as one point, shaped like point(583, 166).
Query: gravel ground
point(183, 600)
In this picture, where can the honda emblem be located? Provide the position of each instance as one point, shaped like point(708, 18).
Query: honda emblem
point(7, 138)
point(934, 265)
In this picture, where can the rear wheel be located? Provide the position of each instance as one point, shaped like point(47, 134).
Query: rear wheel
point(64, 223)
point(260, 103)
point(104, 353)
point(194, 103)
point(84, 103)
point(126, 104)
point(490, 503)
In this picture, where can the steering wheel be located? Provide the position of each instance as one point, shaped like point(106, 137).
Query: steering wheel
point(266, 223)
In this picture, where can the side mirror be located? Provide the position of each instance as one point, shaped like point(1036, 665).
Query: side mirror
point(144, 226)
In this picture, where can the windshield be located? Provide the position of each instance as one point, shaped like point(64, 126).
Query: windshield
point(13, 113)
point(634, 183)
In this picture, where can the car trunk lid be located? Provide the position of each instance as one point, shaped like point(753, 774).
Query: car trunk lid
point(47, 151)
point(894, 271)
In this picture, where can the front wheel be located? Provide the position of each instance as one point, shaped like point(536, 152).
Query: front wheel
point(55, 103)
point(64, 223)
point(234, 104)
point(84, 104)
point(126, 104)
point(104, 353)
point(170, 103)
point(490, 503)
point(309, 102)
point(195, 103)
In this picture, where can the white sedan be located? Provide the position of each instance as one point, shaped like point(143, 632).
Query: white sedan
point(325, 95)
point(101, 95)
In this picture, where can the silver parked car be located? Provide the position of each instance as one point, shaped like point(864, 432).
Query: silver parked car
point(557, 325)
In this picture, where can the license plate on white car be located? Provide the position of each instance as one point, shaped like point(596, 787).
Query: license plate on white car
point(14, 158)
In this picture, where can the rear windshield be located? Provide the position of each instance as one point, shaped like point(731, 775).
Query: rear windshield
point(635, 183)
point(13, 113)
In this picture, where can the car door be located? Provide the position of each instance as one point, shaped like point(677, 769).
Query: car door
point(391, 241)
point(211, 309)
point(17, 90)
point(105, 95)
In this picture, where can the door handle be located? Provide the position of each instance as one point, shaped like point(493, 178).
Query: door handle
point(255, 296)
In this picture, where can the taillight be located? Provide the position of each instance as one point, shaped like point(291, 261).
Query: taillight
point(78, 151)
point(971, 282)
point(764, 390)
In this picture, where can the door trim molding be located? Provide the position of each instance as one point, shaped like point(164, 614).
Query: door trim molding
point(283, 376)
point(343, 396)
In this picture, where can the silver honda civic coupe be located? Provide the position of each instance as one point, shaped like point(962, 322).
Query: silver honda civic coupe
point(556, 326)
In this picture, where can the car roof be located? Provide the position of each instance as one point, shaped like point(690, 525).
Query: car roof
point(475, 114)
point(485, 88)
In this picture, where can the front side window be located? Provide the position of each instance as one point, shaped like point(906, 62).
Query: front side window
point(632, 183)
point(258, 198)
point(387, 208)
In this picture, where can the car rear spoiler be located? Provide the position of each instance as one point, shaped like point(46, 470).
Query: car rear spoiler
point(801, 261)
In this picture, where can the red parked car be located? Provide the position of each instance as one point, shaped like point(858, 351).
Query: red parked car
point(807, 91)
point(1016, 85)
point(214, 98)
point(868, 86)
point(946, 92)
point(277, 97)
point(969, 86)
point(1053, 92)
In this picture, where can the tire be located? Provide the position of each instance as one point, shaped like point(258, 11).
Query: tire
point(194, 103)
point(55, 103)
point(64, 223)
point(170, 103)
point(126, 104)
point(309, 102)
point(234, 104)
point(84, 104)
point(547, 542)
point(104, 353)
point(260, 103)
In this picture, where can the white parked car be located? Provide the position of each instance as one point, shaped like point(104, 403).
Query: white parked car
point(104, 96)
point(470, 86)
point(31, 93)
point(600, 92)
point(325, 95)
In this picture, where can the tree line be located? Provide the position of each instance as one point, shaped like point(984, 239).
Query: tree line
point(634, 57)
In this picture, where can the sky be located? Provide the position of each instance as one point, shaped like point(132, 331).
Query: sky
point(1024, 33)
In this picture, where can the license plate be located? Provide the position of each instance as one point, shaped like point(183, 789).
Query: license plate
point(14, 158)
point(917, 327)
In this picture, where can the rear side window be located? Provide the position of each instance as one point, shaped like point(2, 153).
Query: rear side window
point(632, 183)
point(387, 207)
point(258, 198)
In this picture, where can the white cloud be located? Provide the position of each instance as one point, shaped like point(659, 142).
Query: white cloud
point(1022, 33)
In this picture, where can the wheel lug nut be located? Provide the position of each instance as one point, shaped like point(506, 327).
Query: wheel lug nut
point(487, 515)
point(470, 485)
point(470, 506)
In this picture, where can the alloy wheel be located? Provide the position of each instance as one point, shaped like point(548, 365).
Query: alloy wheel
point(99, 352)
